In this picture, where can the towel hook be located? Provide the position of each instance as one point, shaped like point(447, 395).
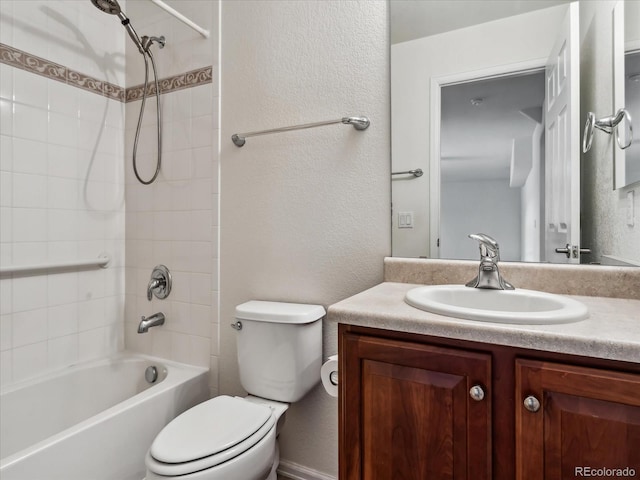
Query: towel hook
point(608, 125)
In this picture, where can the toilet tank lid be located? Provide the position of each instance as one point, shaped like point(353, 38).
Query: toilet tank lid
point(279, 312)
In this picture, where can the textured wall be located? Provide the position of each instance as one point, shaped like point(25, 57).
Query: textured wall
point(304, 215)
point(604, 226)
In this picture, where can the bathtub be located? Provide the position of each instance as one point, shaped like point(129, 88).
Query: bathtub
point(93, 421)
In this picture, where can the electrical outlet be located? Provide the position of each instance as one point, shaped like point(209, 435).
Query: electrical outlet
point(630, 212)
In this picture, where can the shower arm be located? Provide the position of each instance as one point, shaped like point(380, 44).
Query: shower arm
point(148, 41)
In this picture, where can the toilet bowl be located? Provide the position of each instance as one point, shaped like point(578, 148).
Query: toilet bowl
point(234, 438)
point(222, 438)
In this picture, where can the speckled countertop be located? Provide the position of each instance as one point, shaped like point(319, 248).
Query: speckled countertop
point(612, 330)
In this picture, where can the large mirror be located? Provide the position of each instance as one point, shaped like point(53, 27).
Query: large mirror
point(486, 125)
point(627, 89)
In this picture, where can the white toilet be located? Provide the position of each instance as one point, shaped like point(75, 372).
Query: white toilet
point(234, 438)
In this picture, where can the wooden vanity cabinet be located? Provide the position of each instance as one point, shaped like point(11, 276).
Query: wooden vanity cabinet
point(575, 420)
point(407, 412)
point(409, 409)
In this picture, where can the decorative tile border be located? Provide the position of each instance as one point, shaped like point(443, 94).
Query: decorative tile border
point(40, 66)
point(194, 78)
point(54, 71)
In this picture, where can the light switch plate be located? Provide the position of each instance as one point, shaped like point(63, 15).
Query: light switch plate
point(405, 219)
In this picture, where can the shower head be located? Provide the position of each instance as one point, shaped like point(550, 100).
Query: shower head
point(112, 7)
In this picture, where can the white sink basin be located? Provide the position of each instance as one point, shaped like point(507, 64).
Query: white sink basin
point(504, 306)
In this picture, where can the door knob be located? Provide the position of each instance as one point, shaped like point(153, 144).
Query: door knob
point(476, 392)
point(532, 404)
point(570, 250)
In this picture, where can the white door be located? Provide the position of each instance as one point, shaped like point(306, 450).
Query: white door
point(562, 144)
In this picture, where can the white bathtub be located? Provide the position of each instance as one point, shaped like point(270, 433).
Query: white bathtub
point(93, 421)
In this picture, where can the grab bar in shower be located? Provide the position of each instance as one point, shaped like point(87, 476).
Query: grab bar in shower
point(182, 18)
point(102, 261)
point(359, 123)
point(416, 173)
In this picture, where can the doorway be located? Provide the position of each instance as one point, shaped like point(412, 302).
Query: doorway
point(492, 165)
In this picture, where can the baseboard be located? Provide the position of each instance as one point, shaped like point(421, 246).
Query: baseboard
point(294, 471)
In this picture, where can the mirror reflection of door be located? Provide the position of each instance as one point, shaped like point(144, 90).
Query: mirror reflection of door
point(516, 180)
point(562, 133)
point(446, 58)
point(626, 74)
point(631, 14)
point(492, 165)
point(632, 104)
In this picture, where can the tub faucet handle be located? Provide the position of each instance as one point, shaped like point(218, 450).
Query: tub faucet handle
point(159, 283)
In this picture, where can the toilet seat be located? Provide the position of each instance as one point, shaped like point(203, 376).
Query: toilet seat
point(209, 434)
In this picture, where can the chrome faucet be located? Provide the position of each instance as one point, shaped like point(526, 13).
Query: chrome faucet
point(159, 283)
point(154, 284)
point(488, 272)
point(154, 320)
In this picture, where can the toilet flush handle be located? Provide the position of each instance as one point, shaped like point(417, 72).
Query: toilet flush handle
point(237, 326)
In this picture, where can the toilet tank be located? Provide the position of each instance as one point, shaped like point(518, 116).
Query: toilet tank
point(279, 348)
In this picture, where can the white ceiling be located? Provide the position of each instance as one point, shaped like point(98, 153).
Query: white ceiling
point(411, 19)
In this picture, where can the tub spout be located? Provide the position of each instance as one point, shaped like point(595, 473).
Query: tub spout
point(153, 321)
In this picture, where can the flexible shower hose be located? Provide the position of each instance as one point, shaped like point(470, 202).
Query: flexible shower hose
point(158, 115)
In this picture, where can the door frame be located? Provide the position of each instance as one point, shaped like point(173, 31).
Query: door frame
point(435, 118)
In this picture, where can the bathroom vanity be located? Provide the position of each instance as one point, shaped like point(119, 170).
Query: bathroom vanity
point(429, 396)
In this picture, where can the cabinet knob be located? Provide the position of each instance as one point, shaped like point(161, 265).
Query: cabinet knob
point(532, 404)
point(477, 393)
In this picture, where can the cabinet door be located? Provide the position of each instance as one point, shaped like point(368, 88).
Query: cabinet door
point(587, 424)
point(406, 411)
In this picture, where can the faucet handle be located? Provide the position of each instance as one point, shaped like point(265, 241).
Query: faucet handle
point(488, 272)
point(488, 246)
point(159, 283)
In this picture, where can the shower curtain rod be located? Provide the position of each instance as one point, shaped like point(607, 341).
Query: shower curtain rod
point(182, 18)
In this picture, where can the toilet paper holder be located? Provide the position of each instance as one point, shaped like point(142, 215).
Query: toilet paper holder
point(329, 375)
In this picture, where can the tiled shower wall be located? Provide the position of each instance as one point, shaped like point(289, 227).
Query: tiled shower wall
point(66, 173)
point(62, 190)
point(174, 221)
